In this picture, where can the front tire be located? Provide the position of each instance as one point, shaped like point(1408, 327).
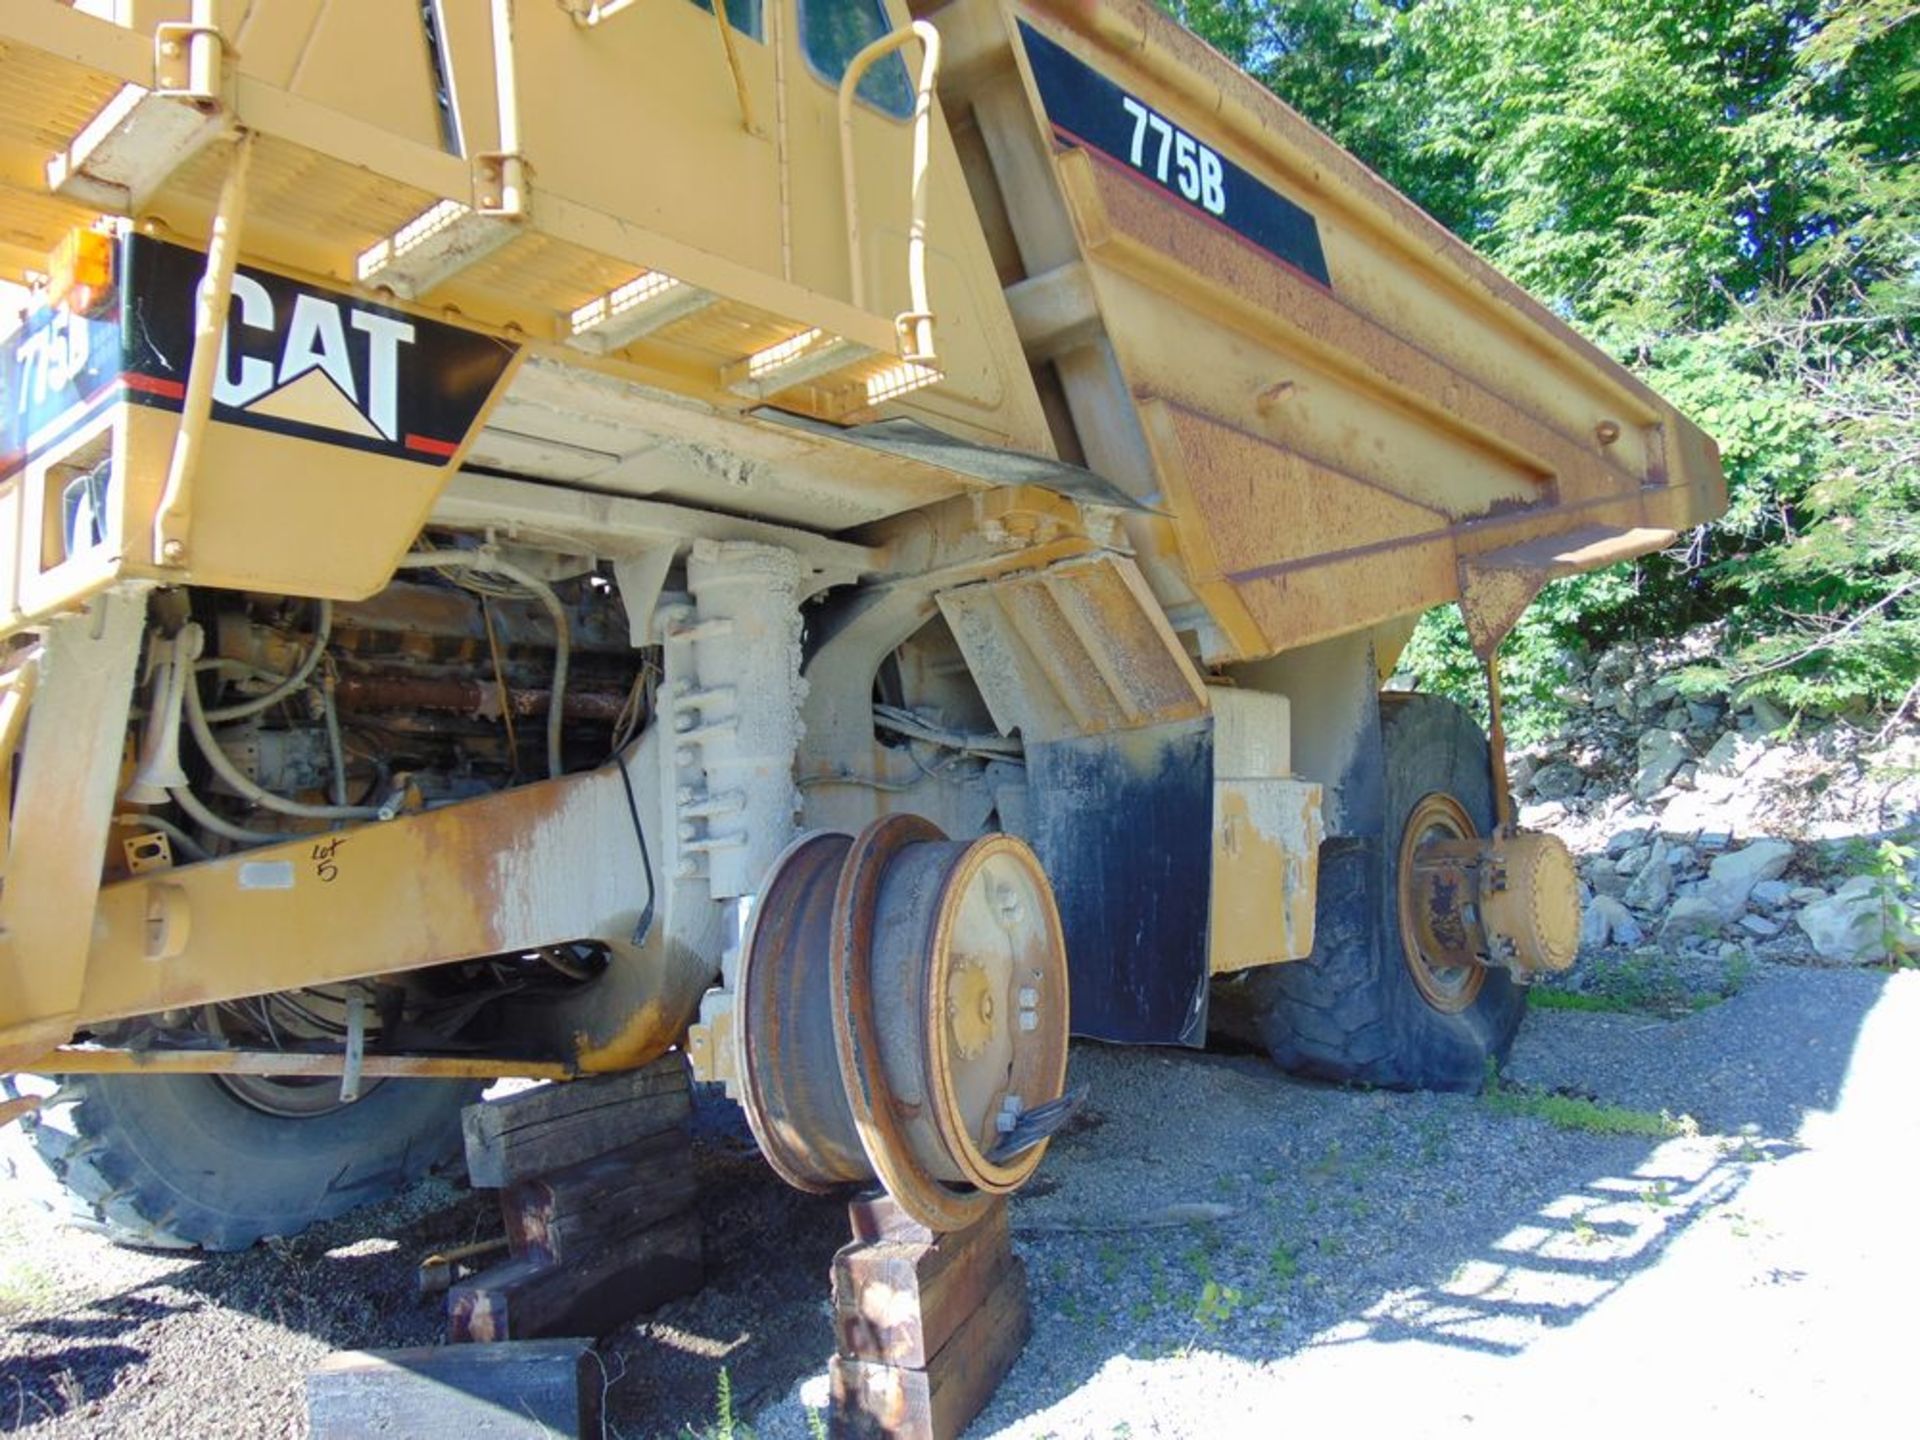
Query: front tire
point(186, 1161)
point(1365, 1007)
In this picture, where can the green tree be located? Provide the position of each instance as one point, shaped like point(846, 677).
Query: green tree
point(1724, 194)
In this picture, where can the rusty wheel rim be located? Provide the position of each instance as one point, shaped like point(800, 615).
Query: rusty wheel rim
point(996, 920)
point(1448, 988)
point(921, 1194)
point(783, 954)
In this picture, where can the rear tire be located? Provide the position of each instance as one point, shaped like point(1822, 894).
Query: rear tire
point(181, 1161)
point(1355, 1010)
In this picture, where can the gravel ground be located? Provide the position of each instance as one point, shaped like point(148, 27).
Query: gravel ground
point(1212, 1247)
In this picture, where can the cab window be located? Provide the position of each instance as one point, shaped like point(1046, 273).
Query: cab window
point(832, 32)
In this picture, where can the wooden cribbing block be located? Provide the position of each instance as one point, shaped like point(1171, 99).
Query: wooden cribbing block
point(570, 1214)
point(898, 1300)
point(591, 1293)
point(926, 1326)
point(549, 1128)
point(870, 1399)
point(534, 1390)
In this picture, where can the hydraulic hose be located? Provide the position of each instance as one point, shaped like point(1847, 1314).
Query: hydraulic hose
point(207, 820)
point(224, 767)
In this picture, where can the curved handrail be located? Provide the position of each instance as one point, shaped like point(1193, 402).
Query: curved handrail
point(915, 326)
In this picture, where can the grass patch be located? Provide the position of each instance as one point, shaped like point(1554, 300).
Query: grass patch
point(1541, 998)
point(1576, 1112)
point(1646, 983)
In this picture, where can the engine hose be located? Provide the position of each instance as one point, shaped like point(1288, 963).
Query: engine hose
point(336, 746)
point(563, 634)
point(240, 710)
point(224, 767)
point(219, 825)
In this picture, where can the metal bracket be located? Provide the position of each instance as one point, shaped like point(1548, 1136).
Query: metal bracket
point(188, 62)
point(356, 1049)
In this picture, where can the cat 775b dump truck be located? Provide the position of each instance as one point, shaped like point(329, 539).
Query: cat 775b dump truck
point(850, 538)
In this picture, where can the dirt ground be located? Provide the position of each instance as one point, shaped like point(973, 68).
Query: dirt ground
point(1214, 1249)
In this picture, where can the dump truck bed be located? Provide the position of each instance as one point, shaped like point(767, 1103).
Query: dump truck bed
point(1334, 401)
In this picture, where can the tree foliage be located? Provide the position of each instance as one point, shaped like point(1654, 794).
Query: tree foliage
point(1724, 194)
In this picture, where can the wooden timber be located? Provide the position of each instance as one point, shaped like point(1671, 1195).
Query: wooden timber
point(926, 1326)
point(532, 1390)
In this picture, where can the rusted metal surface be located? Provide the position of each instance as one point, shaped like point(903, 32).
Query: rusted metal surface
point(1497, 585)
point(1331, 435)
point(293, 1064)
point(1437, 936)
point(1467, 902)
point(903, 1000)
point(789, 1072)
point(1075, 649)
point(479, 698)
point(498, 875)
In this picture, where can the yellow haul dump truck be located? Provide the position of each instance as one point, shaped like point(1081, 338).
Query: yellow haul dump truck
point(851, 539)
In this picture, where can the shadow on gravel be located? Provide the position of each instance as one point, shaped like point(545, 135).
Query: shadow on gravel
point(349, 1283)
point(1209, 1204)
point(1354, 1218)
point(47, 1386)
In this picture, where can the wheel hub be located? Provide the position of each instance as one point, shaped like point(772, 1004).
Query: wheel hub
point(1511, 899)
point(903, 999)
point(1434, 936)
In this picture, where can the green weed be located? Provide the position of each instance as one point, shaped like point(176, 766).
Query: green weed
point(1575, 1112)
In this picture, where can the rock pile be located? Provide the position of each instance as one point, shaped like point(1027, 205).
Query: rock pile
point(1703, 826)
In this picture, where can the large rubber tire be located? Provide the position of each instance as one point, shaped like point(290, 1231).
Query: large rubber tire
point(179, 1161)
point(1352, 1010)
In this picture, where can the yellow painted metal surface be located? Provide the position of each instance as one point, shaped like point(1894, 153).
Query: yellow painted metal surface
point(1266, 836)
point(1330, 450)
point(652, 210)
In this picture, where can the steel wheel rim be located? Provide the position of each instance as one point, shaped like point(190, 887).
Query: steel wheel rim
point(797, 1160)
point(1447, 988)
point(959, 1079)
point(921, 1194)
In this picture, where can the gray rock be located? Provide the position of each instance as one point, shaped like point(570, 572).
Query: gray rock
point(1607, 881)
point(1763, 716)
point(1631, 860)
point(1806, 894)
point(1559, 781)
point(1690, 915)
point(1731, 755)
point(1702, 714)
point(1660, 753)
point(1520, 771)
point(1771, 894)
point(1605, 920)
point(1852, 926)
point(1714, 841)
point(1682, 858)
point(1760, 926)
point(1683, 777)
point(1653, 886)
point(1731, 877)
point(1621, 927)
point(1624, 840)
point(1593, 928)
